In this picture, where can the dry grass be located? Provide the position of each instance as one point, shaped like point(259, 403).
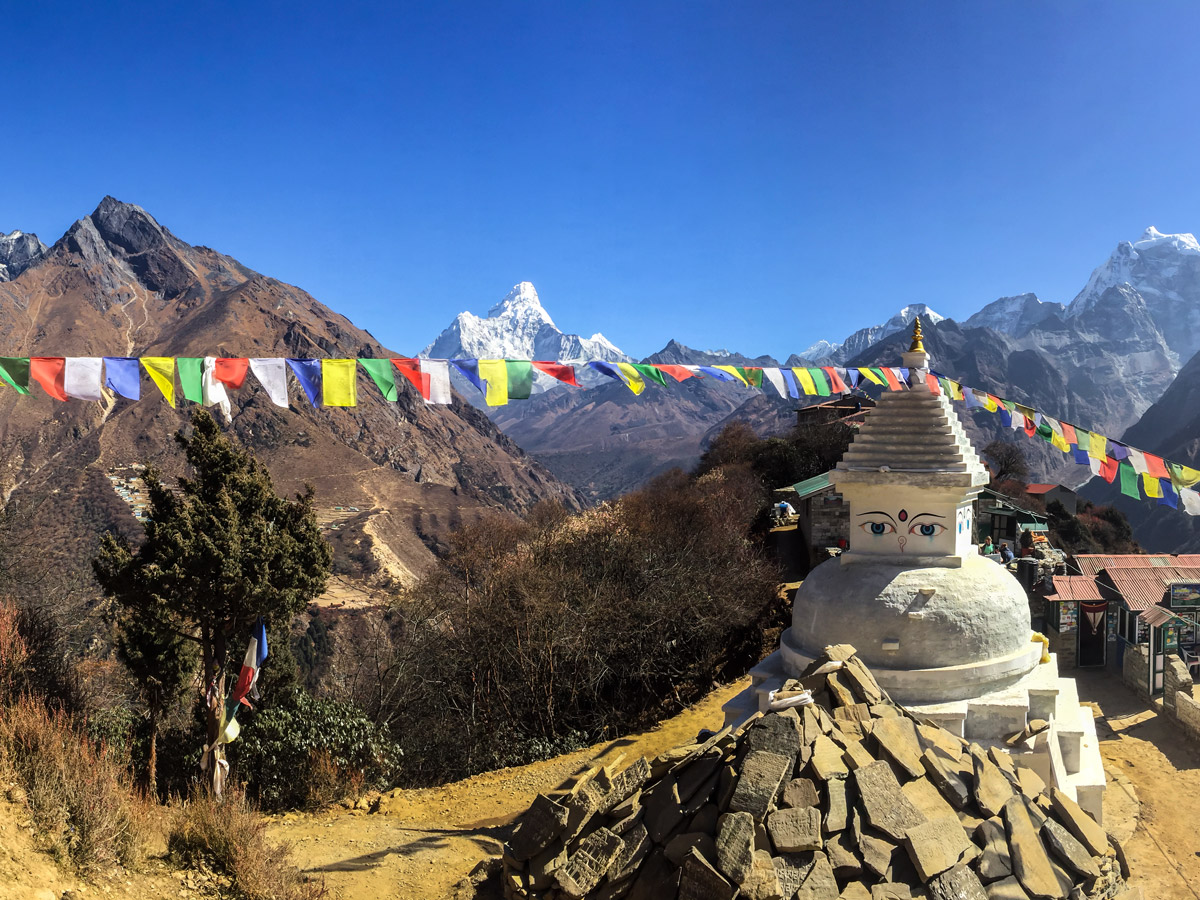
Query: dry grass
point(76, 793)
point(229, 836)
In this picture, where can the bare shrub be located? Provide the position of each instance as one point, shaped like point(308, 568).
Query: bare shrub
point(229, 836)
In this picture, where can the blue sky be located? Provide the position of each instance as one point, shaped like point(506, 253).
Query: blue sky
point(746, 175)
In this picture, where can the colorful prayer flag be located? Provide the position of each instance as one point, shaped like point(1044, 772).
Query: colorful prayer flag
point(806, 380)
point(382, 373)
point(1129, 479)
point(81, 377)
point(271, 373)
point(633, 378)
point(651, 373)
point(14, 371)
point(438, 373)
point(872, 375)
point(339, 382)
point(48, 371)
point(836, 385)
point(161, 370)
point(191, 377)
point(566, 373)
point(256, 655)
point(121, 376)
point(494, 374)
point(1151, 486)
point(410, 368)
point(231, 371)
point(308, 373)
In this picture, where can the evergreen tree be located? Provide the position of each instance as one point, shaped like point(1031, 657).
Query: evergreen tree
point(222, 551)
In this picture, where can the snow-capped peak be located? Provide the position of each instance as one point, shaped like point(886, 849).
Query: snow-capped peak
point(1014, 315)
point(1155, 265)
point(1182, 243)
point(521, 302)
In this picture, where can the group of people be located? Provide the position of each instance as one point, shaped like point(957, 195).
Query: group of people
point(988, 548)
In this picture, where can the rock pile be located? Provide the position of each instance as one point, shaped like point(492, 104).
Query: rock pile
point(849, 797)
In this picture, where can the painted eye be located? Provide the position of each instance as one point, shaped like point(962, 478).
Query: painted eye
point(877, 527)
point(927, 529)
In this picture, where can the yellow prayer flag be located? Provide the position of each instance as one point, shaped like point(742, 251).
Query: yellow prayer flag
point(732, 371)
point(955, 390)
point(339, 382)
point(870, 376)
point(494, 373)
point(1097, 446)
point(1184, 475)
point(990, 403)
point(634, 379)
point(806, 380)
point(161, 370)
point(1151, 486)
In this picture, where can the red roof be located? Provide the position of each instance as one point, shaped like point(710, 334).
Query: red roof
point(1144, 587)
point(1075, 587)
point(1039, 488)
point(1092, 563)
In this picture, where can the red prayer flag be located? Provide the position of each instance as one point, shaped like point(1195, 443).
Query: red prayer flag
point(931, 380)
point(679, 373)
point(1030, 428)
point(411, 369)
point(1155, 467)
point(562, 371)
point(835, 381)
point(49, 372)
point(892, 380)
point(1069, 434)
point(231, 371)
point(1108, 469)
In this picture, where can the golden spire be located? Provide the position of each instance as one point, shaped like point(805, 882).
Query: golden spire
point(917, 345)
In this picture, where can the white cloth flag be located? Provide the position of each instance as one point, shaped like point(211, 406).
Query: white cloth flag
point(214, 391)
point(1138, 461)
point(1191, 501)
point(272, 375)
point(81, 377)
point(438, 371)
point(773, 375)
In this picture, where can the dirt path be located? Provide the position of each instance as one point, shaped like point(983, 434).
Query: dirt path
point(422, 843)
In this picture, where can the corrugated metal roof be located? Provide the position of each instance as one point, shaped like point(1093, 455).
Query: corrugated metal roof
point(1156, 616)
point(1092, 563)
point(811, 486)
point(1075, 587)
point(1144, 587)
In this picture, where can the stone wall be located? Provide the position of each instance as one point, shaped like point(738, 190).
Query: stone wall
point(1187, 714)
point(1135, 668)
point(1065, 645)
point(830, 522)
point(1176, 679)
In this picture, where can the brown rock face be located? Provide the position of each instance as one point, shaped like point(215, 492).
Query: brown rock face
point(119, 284)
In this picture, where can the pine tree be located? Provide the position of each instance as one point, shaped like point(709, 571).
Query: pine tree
point(222, 551)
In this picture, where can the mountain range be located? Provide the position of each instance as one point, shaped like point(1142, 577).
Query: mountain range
point(119, 283)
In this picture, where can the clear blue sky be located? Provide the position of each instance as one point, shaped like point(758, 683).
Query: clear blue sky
point(747, 175)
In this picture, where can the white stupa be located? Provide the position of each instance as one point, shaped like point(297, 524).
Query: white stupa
point(945, 631)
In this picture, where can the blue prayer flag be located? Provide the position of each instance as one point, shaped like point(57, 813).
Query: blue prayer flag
point(121, 375)
point(308, 373)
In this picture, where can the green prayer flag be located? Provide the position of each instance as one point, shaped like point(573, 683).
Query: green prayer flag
point(383, 374)
point(752, 375)
point(1129, 481)
point(14, 370)
point(821, 381)
point(520, 378)
point(1045, 432)
point(1083, 439)
point(883, 379)
point(191, 377)
point(651, 373)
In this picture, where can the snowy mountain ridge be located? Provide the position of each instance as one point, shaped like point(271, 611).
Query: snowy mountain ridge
point(828, 353)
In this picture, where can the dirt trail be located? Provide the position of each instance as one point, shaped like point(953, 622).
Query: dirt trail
point(422, 843)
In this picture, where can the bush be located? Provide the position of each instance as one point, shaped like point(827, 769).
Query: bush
point(307, 751)
point(74, 787)
point(229, 836)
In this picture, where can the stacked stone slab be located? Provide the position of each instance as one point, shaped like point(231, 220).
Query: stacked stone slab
point(848, 797)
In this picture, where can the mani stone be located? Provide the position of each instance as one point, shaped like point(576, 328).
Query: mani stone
point(541, 867)
point(842, 695)
point(898, 738)
point(541, 824)
point(820, 883)
point(657, 880)
point(1030, 863)
point(775, 733)
point(1079, 823)
point(633, 854)
point(677, 847)
point(588, 864)
point(762, 883)
point(1008, 889)
point(840, 850)
point(696, 774)
point(887, 807)
point(995, 863)
point(663, 809)
point(992, 789)
point(1030, 782)
point(1063, 845)
point(856, 755)
point(799, 793)
point(946, 780)
point(925, 797)
point(855, 890)
point(735, 844)
point(625, 785)
point(795, 830)
point(958, 883)
point(791, 869)
point(826, 760)
point(698, 880)
point(835, 806)
point(762, 774)
point(936, 845)
point(863, 682)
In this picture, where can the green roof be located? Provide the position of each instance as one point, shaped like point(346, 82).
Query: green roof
point(811, 486)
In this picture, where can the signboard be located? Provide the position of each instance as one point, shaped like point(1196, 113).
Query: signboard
point(1068, 615)
point(1184, 594)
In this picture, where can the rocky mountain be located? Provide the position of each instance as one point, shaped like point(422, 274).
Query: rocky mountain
point(18, 251)
point(825, 353)
point(1016, 315)
point(119, 283)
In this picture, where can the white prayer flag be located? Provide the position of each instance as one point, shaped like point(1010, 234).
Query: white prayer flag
point(272, 375)
point(81, 377)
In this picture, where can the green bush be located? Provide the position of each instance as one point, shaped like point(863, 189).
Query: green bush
point(305, 750)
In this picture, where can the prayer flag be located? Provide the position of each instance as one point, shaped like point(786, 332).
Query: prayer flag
point(1155, 467)
point(256, 655)
point(820, 382)
point(1118, 450)
point(81, 377)
point(1138, 461)
point(48, 372)
point(411, 370)
point(1097, 445)
point(890, 377)
point(806, 381)
point(1129, 478)
point(1191, 501)
point(231, 371)
point(1068, 433)
point(735, 372)
point(1006, 416)
point(381, 372)
point(1083, 438)
point(790, 377)
point(1106, 468)
point(494, 374)
point(1169, 497)
point(871, 375)
point(1151, 486)
point(836, 385)
point(774, 377)
point(716, 372)
point(214, 391)
point(438, 373)
point(191, 377)
point(121, 376)
point(1080, 456)
point(520, 378)
point(339, 382)
point(955, 390)
point(854, 377)
point(752, 374)
point(1183, 476)
point(633, 378)
point(566, 373)
point(902, 374)
point(161, 370)
point(651, 373)
point(469, 369)
point(932, 381)
point(14, 370)
point(272, 375)
point(308, 373)
point(972, 402)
